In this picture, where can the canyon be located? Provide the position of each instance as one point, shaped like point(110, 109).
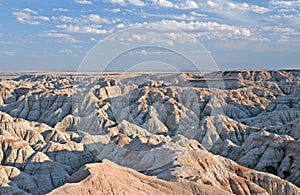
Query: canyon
point(226, 132)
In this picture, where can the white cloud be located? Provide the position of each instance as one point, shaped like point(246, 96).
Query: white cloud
point(84, 2)
point(88, 29)
point(96, 19)
point(163, 3)
point(278, 29)
point(25, 16)
point(67, 51)
point(116, 10)
point(120, 2)
point(189, 4)
point(247, 7)
point(137, 3)
point(116, 20)
point(246, 32)
point(223, 30)
point(287, 18)
point(212, 4)
point(198, 14)
point(87, 24)
point(285, 3)
point(278, 33)
point(120, 25)
point(182, 17)
point(93, 39)
point(174, 16)
point(61, 37)
point(85, 19)
point(141, 52)
point(68, 19)
point(7, 53)
point(234, 12)
point(60, 9)
point(29, 10)
point(200, 30)
point(147, 52)
point(229, 6)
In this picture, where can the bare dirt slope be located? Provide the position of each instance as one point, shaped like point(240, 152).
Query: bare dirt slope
point(233, 131)
point(109, 178)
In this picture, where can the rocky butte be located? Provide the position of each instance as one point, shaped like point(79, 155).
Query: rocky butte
point(227, 132)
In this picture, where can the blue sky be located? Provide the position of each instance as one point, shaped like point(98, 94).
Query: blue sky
point(57, 35)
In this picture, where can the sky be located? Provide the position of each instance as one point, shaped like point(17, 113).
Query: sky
point(65, 35)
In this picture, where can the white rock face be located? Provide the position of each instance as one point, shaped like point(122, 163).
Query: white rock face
point(40, 156)
point(204, 133)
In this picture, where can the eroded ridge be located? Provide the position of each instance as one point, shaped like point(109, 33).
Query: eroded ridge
point(237, 132)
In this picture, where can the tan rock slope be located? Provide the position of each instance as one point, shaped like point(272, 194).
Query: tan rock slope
point(207, 133)
point(108, 178)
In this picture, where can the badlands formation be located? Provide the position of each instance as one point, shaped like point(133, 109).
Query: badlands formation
point(229, 132)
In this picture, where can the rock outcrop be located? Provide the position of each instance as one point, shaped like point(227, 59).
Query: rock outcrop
point(109, 178)
point(206, 133)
